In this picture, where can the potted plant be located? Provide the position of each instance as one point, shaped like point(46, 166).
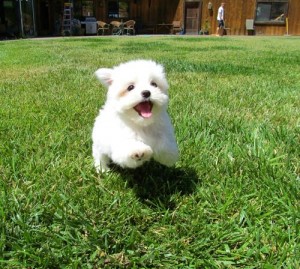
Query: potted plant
point(206, 28)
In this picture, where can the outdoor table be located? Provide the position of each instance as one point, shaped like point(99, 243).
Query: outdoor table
point(163, 26)
point(118, 30)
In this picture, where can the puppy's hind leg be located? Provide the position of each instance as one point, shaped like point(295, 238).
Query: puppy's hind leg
point(101, 163)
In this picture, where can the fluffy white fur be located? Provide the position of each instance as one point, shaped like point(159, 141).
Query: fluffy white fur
point(133, 126)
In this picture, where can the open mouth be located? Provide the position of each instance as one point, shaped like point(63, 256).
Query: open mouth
point(144, 109)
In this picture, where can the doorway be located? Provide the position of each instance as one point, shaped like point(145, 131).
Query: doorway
point(43, 18)
point(17, 19)
point(192, 17)
point(27, 18)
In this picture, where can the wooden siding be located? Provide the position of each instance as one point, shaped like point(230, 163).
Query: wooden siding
point(294, 17)
point(151, 12)
point(237, 11)
point(147, 12)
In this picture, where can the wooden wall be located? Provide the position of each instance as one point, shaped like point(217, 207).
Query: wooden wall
point(147, 12)
point(294, 17)
point(237, 11)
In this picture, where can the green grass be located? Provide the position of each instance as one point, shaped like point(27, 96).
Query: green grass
point(233, 199)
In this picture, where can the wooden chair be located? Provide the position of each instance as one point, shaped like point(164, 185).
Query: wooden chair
point(176, 27)
point(102, 27)
point(117, 28)
point(129, 27)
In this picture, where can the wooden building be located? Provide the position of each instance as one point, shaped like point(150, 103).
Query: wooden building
point(270, 17)
point(44, 17)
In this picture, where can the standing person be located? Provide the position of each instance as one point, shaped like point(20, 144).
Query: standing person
point(220, 18)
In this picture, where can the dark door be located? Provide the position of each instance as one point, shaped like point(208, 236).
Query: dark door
point(192, 17)
point(43, 18)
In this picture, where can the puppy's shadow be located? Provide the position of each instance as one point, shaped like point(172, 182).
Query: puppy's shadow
point(155, 184)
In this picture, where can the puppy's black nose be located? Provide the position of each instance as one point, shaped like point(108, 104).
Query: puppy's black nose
point(146, 94)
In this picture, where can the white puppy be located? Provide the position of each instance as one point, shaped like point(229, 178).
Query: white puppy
point(133, 126)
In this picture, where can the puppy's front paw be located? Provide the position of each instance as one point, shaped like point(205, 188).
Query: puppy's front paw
point(142, 155)
point(134, 155)
point(100, 169)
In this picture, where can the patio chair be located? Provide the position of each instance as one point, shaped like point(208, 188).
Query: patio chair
point(102, 27)
point(129, 27)
point(117, 28)
point(176, 27)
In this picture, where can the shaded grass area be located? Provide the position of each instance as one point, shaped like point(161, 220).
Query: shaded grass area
point(232, 201)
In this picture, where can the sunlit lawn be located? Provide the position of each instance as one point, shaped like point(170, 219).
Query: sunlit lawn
point(233, 199)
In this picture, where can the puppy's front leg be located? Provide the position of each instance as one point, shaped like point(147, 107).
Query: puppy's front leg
point(167, 157)
point(166, 151)
point(131, 153)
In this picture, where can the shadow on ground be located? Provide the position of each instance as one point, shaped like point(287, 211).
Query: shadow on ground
point(156, 185)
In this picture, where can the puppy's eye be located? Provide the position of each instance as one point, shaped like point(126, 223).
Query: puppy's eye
point(130, 88)
point(153, 84)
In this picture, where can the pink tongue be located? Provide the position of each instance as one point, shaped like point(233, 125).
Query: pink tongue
point(144, 109)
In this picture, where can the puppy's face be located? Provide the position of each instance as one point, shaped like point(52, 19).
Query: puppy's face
point(137, 90)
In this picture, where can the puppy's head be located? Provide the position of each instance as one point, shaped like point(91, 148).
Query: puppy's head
point(137, 90)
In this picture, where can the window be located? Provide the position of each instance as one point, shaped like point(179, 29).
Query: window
point(83, 8)
point(118, 9)
point(87, 8)
point(271, 12)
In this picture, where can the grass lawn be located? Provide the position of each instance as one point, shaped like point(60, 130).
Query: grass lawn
point(233, 199)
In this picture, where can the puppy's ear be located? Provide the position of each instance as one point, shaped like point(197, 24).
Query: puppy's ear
point(105, 76)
